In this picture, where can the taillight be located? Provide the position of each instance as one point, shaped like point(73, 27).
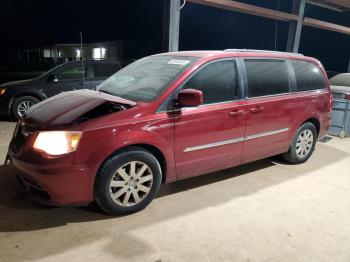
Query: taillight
point(347, 96)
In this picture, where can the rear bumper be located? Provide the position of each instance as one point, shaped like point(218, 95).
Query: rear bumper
point(324, 127)
point(57, 185)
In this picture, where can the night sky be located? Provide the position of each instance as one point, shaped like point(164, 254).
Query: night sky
point(26, 24)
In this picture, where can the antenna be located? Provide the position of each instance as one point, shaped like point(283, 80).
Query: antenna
point(82, 56)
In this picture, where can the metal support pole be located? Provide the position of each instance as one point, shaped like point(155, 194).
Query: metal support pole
point(174, 25)
point(28, 60)
point(57, 54)
point(349, 66)
point(295, 27)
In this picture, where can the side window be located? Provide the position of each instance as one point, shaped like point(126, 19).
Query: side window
point(105, 69)
point(266, 77)
point(70, 72)
point(218, 81)
point(308, 76)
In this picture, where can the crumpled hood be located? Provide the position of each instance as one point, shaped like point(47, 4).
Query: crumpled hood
point(66, 107)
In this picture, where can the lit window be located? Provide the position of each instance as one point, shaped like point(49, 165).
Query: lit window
point(78, 52)
point(99, 53)
point(47, 53)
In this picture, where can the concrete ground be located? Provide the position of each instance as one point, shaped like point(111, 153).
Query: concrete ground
point(264, 211)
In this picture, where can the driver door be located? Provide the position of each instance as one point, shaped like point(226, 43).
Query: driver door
point(210, 137)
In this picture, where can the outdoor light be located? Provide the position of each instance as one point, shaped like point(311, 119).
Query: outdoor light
point(78, 53)
point(57, 142)
point(2, 91)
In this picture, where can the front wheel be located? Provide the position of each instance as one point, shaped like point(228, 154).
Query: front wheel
point(303, 144)
point(22, 104)
point(128, 182)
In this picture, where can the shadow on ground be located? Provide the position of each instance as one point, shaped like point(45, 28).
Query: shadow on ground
point(7, 119)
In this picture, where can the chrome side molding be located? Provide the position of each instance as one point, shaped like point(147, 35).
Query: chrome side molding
point(266, 133)
point(235, 140)
point(221, 143)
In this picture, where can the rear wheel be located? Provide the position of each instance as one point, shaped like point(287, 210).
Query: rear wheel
point(22, 104)
point(303, 144)
point(128, 182)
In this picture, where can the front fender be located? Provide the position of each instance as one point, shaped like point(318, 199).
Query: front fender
point(99, 145)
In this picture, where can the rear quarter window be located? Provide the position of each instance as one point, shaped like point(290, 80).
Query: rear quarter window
point(308, 76)
point(267, 77)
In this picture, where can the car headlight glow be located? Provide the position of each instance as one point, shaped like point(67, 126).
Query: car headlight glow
point(2, 91)
point(57, 143)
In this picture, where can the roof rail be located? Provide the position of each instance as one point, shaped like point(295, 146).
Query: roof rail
point(264, 51)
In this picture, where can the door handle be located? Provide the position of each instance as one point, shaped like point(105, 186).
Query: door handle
point(256, 109)
point(236, 113)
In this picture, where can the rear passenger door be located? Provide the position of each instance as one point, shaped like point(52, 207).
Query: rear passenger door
point(270, 112)
point(101, 70)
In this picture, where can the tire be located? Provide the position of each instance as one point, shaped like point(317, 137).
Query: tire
point(302, 139)
point(117, 171)
point(21, 103)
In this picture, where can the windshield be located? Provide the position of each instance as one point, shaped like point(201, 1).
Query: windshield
point(146, 78)
point(340, 80)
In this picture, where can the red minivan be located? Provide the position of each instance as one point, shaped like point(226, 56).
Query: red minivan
point(168, 117)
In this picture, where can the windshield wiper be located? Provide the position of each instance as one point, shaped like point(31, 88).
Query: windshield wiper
point(107, 92)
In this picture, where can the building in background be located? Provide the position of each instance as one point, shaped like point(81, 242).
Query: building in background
point(60, 53)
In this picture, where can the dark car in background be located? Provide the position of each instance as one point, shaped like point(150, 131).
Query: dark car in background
point(17, 97)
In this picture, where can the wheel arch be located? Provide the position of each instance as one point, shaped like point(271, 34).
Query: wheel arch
point(155, 151)
point(315, 122)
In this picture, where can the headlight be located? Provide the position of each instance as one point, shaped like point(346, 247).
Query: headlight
point(2, 91)
point(57, 142)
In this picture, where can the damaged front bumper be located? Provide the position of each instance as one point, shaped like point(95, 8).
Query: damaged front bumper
point(8, 159)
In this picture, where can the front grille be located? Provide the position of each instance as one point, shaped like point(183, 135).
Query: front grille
point(18, 139)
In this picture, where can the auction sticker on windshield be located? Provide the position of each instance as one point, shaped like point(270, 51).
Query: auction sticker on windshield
point(178, 62)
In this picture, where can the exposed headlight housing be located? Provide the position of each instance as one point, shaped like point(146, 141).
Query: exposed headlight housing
point(57, 143)
point(2, 91)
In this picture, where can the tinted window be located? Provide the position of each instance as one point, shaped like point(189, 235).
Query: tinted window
point(105, 69)
point(266, 77)
point(69, 72)
point(308, 76)
point(217, 81)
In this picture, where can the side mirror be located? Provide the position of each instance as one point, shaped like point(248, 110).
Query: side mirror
point(52, 78)
point(190, 98)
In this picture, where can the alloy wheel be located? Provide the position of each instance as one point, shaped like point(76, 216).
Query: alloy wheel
point(131, 183)
point(304, 143)
point(24, 106)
